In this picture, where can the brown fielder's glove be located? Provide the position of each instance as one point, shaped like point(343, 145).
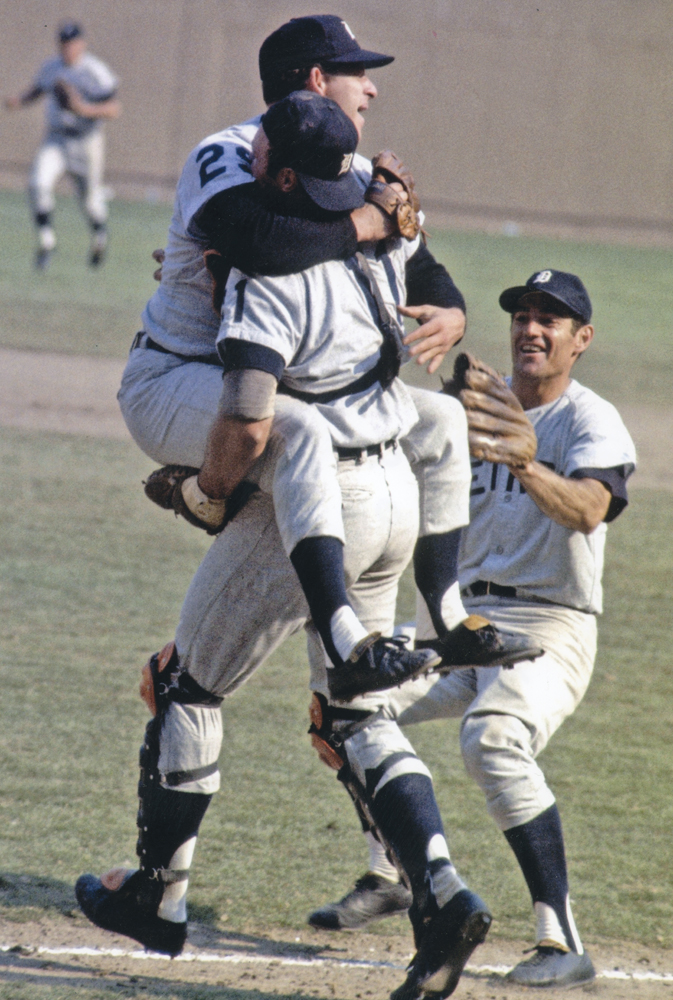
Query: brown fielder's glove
point(165, 487)
point(498, 428)
point(388, 169)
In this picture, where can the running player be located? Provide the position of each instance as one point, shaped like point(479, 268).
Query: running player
point(81, 95)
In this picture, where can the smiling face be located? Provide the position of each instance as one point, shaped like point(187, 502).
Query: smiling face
point(546, 341)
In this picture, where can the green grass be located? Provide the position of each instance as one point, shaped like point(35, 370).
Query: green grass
point(92, 581)
point(79, 311)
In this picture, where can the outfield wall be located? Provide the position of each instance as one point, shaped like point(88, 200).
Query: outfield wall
point(550, 115)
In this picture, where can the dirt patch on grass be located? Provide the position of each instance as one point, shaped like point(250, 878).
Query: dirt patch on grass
point(78, 395)
point(69, 953)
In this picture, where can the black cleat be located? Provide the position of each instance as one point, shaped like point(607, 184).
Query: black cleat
point(446, 943)
point(478, 643)
point(43, 259)
point(372, 898)
point(378, 663)
point(98, 249)
point(553, 967)
point(131, 910)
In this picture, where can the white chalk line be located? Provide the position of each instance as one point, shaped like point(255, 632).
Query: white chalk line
point(341, 963)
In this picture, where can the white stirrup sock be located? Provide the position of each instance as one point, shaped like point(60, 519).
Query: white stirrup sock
point(347, 631)
point(378, 860)
point(173, 905)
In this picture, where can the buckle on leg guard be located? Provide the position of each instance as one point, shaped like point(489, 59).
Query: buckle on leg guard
point(149, 680)
point(322, 737)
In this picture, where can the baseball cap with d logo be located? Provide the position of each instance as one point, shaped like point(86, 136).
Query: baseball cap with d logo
point(307, 41)
point(560, 285)
point(312, 135)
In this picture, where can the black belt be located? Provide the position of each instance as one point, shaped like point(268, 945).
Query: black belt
point(361, 453)
point(143, 339)
point(482, 587)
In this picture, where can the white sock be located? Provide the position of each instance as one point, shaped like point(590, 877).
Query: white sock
point(46, 237)
point(452, 609)
point(549, 931)
point(445, 882)
point(173, 905)
point(347, 630)
point(378, 860)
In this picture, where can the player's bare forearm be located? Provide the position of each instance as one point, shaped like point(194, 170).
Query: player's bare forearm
point(233, 446)
point(109, 109)
point(20, 100)
point(371, 225)
point(577, 504)
point(440, 329)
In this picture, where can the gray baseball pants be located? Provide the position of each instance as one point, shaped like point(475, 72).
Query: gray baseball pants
point(509, 716)
point(169, 404)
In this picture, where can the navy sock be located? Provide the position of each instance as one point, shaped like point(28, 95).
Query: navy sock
point(319, 564)
point(405, 810)
point(538, 846)
point(43, 218)
point(435, 570)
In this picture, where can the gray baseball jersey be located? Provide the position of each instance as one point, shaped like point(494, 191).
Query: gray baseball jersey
point(512, 543)
point(320, 325)
point(92, 79)
point(180, 314)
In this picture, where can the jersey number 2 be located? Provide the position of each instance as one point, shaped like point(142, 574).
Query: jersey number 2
point(214, 153)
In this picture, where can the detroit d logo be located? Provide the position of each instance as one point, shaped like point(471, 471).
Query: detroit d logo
point(542, 278)
point(346, 164)
point(348, 30)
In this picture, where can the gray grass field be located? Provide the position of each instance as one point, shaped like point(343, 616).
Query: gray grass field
point(92, 580)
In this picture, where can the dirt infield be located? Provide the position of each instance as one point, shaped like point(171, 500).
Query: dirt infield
point(71, 953)
point(77, 395)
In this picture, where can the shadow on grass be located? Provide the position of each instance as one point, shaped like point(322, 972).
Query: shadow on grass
point(36, 892)
point(27, 897)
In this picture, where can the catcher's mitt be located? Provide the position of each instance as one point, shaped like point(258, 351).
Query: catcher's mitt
point(498, 428)
point(388, 169)
point(164, 487)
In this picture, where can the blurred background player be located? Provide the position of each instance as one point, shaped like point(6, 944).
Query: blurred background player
point(81, 94)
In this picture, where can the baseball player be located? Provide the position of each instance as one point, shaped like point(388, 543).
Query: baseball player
point(307, 321)
point(171, 387)
point(550, 461)
point(81, 95)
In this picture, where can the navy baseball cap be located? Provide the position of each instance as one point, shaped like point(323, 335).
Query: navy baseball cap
point(306, 41)
point(560, 285)
point(312, 135)
point(68, 31)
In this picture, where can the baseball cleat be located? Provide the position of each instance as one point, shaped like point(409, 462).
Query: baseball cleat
point(553, 967)
point(446, 943)
point(43, 259)
point(128, 905)
point(98, 248)
point(478, 643)
point(378, 663)
point(372, 898)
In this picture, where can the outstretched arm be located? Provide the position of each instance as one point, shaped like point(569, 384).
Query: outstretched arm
point(19, 100)
point(577, 504)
